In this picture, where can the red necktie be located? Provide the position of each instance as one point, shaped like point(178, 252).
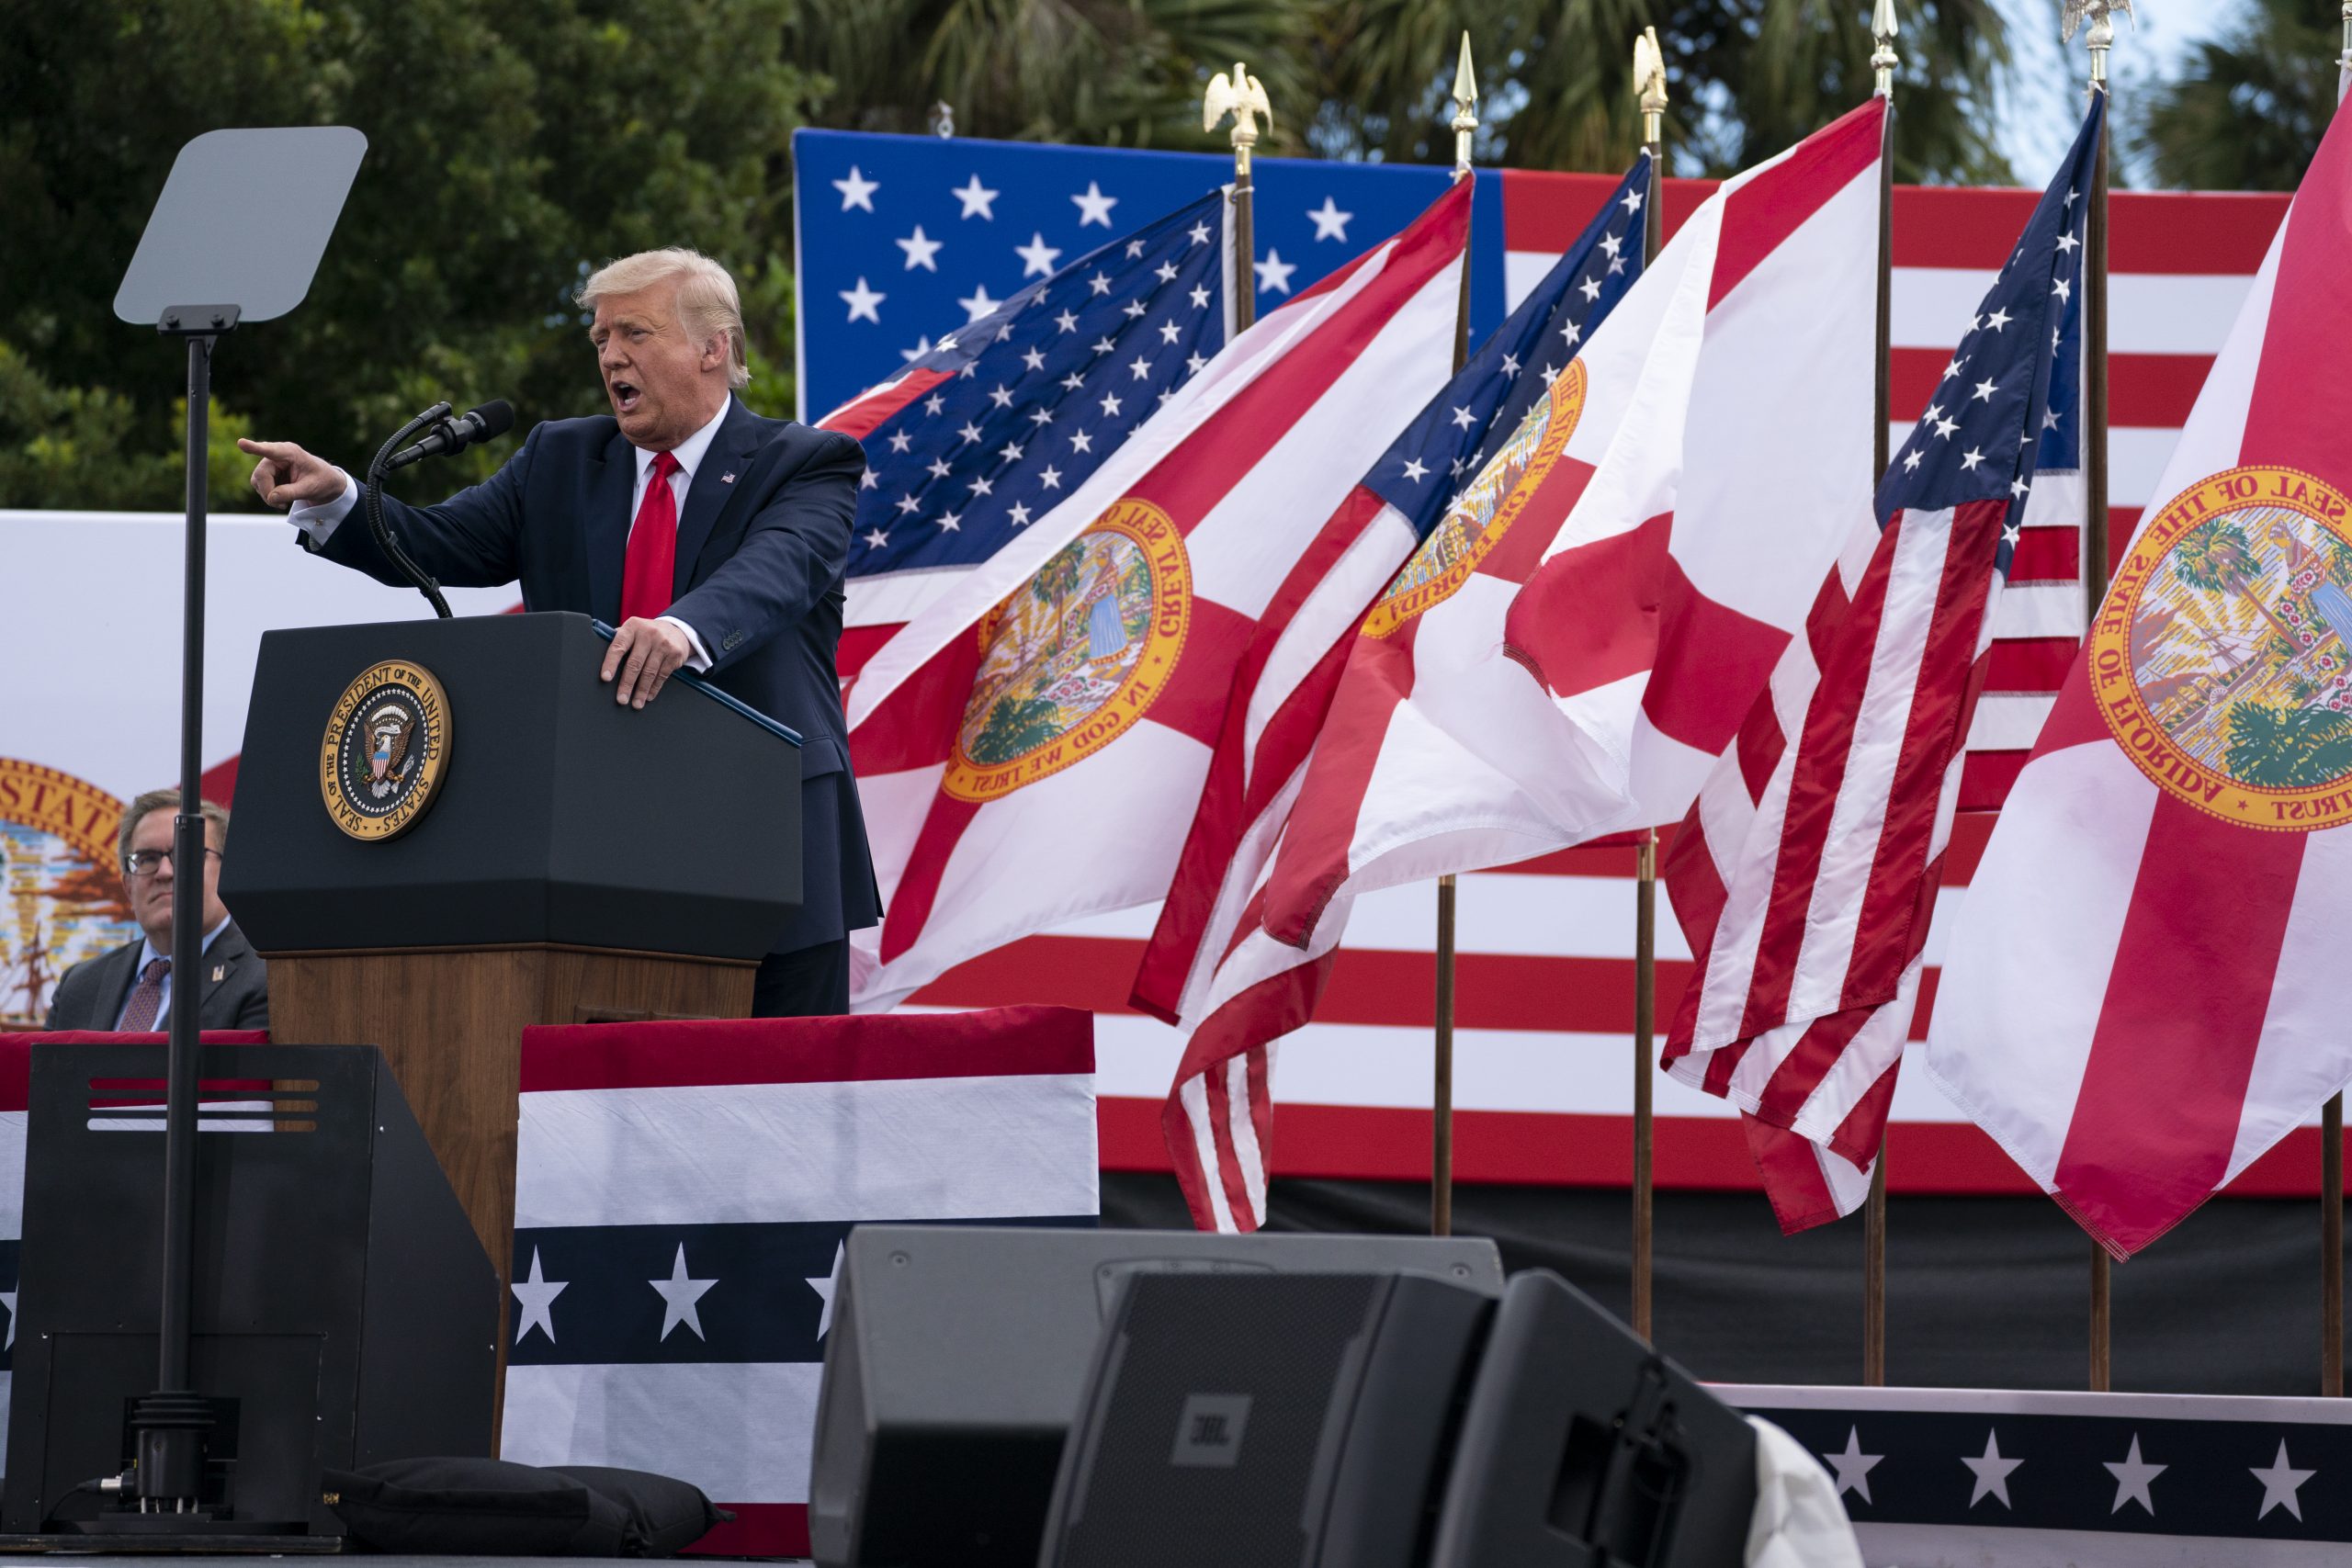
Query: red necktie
point(146, 998)
point(653, 546)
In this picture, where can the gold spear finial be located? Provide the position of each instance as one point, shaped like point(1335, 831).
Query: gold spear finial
point(1649, 86)
point(2344, 61)
point(1883, 60)
point(1465, 107)
point(1244, 98)
point(2100, 37)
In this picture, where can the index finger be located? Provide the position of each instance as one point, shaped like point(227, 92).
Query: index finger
point(621, 641)
point(273, 449)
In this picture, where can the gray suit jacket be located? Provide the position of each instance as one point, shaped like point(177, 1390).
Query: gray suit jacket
point(91, 994)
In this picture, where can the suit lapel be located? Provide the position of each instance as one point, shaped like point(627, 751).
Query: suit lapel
point(715, 482)
point(216, 969)
point(118, 988)
point(612, 479)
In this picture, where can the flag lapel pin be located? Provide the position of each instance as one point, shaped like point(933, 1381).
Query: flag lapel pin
point(219, 973)
point(727, 479)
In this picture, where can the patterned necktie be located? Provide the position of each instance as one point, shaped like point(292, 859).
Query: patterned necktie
point(146, 998)
point(653, 546)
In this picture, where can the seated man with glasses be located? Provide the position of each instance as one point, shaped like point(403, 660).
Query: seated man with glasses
point(131, 989)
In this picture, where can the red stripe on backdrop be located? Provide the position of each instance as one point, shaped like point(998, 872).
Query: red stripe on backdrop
point(2047, 555)
point(1010, 1042)
point(1762, 215)
point(2224, 233)
point(1986, 778)
point(2030, 664)
point(2151, 390)
point(1693, 1152)
point(2165, 1089)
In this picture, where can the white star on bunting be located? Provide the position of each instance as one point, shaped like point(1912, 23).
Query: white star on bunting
point(2132, 1477)
point(1853, 1466)
point(680, 1296)
point(1992, 1472)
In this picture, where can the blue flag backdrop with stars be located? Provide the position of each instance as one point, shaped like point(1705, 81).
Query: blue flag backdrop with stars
point(901, 239)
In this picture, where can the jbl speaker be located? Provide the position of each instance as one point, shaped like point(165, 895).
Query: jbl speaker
point(959, 1357)
point(344, 1310)
point(1581, 1447)
point(1276, 1421)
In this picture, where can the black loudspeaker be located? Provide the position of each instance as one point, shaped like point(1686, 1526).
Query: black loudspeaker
point(959, 1357)
point(1276, 1421)
point(345, 1311)
point(1583, 1447)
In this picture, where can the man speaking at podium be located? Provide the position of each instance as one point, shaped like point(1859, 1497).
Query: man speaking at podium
point(715, 540)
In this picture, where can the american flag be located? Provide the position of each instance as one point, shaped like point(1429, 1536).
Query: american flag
point(1805, 874)
point(1545, 949)
point(1000, 420)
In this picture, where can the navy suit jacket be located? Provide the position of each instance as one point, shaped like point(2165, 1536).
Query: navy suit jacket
point(91, 994)
point(762, 544)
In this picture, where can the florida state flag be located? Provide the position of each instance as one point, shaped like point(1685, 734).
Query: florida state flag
point(2143, 991)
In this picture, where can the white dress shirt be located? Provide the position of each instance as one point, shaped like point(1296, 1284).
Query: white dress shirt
point(318, 520)
point(147, 955)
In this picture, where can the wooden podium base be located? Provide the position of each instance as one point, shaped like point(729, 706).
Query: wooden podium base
point(450, 1021)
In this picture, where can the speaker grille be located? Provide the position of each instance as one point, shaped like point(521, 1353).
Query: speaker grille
point(1207, 1449)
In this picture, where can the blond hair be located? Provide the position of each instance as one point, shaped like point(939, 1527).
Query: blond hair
point(216, 818)
point(708, 302)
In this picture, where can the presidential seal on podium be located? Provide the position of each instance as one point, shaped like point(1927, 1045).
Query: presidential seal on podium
point(385, 748)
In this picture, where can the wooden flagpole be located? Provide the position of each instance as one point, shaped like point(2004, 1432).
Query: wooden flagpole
point(2331, 1120)
point(2099, 37)
point(1465, 124)
point(1649, 86)
point(1883, 64)
point(1243, 96)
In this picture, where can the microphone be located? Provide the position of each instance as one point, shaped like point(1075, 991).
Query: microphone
point(488, 422)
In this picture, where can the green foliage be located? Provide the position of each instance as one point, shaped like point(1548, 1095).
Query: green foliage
point(2289, 747)
point(1016, 725)
point(2248, 110)
point(510, 148)
point(1745, 78)
point(1371, 78)
point(69, 448)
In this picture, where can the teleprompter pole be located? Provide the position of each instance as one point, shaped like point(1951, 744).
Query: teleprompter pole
point(1466, 125)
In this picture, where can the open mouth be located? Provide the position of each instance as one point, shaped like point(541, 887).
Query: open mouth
point(626, 395)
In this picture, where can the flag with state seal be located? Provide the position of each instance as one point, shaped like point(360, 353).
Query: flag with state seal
point(1295, 666)
point(988, 430)
point(1663, 502)
point(1032, 747)
point(2138, 996)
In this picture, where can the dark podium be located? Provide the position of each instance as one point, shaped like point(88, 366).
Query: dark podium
point(577, 862)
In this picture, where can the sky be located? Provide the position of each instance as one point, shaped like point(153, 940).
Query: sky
point(2045, 103)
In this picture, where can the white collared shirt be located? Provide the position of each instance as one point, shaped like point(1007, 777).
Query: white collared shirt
point(147, 955)
point(319, 521)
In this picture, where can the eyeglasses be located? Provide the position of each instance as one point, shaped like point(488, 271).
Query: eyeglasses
point(147, 862)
